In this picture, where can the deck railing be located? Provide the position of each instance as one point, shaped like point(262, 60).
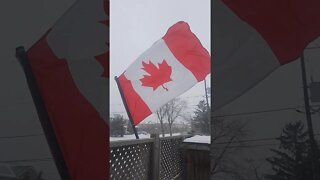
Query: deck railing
point(154, 158)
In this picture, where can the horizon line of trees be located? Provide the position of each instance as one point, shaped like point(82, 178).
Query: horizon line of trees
point(167, 117)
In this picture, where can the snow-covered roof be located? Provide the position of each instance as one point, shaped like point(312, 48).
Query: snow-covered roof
point(198, 139)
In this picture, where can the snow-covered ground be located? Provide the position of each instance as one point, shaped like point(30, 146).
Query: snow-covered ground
point(194, 139)
point(141, 136)
point(198, 139)
point(131, 136)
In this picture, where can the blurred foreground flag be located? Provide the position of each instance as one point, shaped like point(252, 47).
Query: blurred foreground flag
point(70, 66)
point(252, 38)
point(171, 66)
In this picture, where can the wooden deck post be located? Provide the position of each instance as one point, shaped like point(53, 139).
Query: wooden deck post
point(155, 160)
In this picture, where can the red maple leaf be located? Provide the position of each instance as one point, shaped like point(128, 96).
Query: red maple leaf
point(157, 76)
point(103, 58)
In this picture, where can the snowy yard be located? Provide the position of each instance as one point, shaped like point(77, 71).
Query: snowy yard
point(193, 139)
point(141, 136)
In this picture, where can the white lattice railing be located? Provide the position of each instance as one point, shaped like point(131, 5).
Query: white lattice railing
point(145, 159)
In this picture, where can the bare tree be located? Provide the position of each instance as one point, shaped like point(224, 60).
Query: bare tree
point(254, 165)
point(171, 111)
point(225, 137)
point(174, 109)
point(187, 118)
point(161, 113)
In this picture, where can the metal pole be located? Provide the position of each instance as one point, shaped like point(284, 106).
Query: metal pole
point(43, 114)
point(314, 153)
point(127, 109)
point(207, 99)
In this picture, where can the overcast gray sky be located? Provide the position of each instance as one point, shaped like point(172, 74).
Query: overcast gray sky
point(135, 26)
point(30, 19)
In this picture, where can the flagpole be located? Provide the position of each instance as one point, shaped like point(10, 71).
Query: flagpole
point(126, 107)
point(206, 93)
point(43, 114)
point(314, 153)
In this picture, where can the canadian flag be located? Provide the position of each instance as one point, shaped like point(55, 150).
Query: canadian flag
point(253, 38)
point(171, 66)
point(70, 66)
